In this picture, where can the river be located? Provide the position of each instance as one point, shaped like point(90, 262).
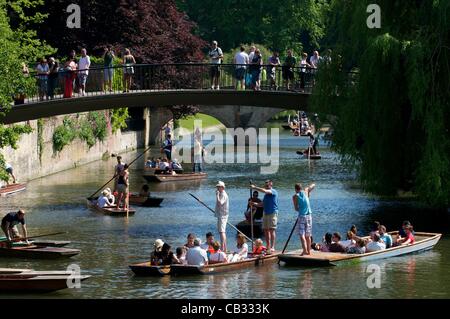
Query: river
point(108, 245)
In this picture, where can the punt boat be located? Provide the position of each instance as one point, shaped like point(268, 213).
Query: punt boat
point(161, 178)
point(147, 269)
point(41, 243)
point(35, 282)
point(144, 201)
point(423, 241)
point(38, 252)
point(223, 267)
point(311, 156)
point(12, 188)
point(110, 211)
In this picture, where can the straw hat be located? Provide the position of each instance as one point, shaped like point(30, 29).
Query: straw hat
point(220, 184)
point(158, 244)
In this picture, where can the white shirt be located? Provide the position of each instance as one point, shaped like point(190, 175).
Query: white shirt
point(222, 205)
point(241, 58)
point(196, 256)
point(314, 61)
point(214, 55)
point(102, 201)
point(218, 256)
point(85, 63)
point(163, 165)
point(8, 166)
point(243, 251)
point(374, 246)
point(205, 246)
point(250, 56)
point(347, 243)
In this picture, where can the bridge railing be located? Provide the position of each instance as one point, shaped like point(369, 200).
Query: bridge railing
point(66, 83)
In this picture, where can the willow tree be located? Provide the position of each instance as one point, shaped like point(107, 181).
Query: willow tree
point(392, 114)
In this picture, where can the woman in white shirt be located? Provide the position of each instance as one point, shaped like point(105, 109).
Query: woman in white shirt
point(217, 256)
point(240, 252)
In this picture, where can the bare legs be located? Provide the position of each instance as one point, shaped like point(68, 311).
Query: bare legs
point(223, 242)
point(270, 238)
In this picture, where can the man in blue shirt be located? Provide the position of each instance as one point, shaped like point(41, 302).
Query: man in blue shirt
point(270, 214)
point(9, 223)
point(304, 220)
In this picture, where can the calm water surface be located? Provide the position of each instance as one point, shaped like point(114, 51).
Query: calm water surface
point(109, 245)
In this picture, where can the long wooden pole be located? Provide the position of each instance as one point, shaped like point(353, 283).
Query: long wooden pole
point(116, 174)
point(289, 238)
point(251, 215)
point(231, 225)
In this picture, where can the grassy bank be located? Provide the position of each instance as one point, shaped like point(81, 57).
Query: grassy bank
point(207, 121)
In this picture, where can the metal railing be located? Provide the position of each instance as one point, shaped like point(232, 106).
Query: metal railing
point(151, 77)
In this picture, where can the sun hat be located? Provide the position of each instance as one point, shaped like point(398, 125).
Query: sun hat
point(158, 244)
point(105, 192)
point(220, 184)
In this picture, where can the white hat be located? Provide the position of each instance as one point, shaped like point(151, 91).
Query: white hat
point(220, 184)
point(105, 192)
point(158, 244)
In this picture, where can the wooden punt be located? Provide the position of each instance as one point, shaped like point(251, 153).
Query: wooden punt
point(311, 156)
point(424, 241)
point(161, 178)
point(51, 243)
point(37, 283)
point(37, 252)
point(110, 211)
point(145, 201)
point(12, 188)
point(147, 269)
point(222, 267)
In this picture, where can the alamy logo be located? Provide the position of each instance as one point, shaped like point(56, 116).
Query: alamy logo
point(374, 19)
point(74, 19)
point(73, 281)
point(374, 279)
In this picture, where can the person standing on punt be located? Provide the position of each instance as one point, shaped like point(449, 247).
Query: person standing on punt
point(304, 219)
point(122, 187)
point(10, 222)
point(222, 210)
point(270, 214)
point(117, 170)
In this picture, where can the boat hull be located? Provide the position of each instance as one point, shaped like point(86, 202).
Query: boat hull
point(145, 201)
point(245, 227)
point(311, 156)
point(12, 189)
point(162, 178)
point(146, 269)
point(40, 283)
point(427, 241)
point(91, 204)
point(36, 252)
point(222, 267)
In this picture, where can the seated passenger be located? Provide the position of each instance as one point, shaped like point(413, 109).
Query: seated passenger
point(190, 241)
point(145, 191)
point(167, 256)
point(208, 244)
point(102, 201)
point(151, 163)
point(111, 197)
point(180, 256)
point(349, 242)
point(376, 243)
point(240, 251)
point(402, 232)
point(359, 248)
point(196, 256)
point(375, 228)
point(336, 246)
point(385, 237)
point(354, 230)
point(254, 205)
point(325, 246)
point(217, 256)
point(176, 166)
point(164, 165)
point(259, 249)
point(409, 238)
point(156, 255)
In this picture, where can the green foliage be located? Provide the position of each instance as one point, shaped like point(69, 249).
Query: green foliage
point(64, 134)
point(91, 128)
point(278, 25)
point(228, 57)
point(118, 119)
point(392, 118)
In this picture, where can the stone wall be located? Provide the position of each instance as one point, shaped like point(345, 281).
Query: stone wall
point(27, 164)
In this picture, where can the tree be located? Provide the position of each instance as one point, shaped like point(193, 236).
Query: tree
point(154, 30)
point(393, 116)
point(296, 24)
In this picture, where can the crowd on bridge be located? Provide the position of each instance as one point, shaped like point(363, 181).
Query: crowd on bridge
point(249, 70)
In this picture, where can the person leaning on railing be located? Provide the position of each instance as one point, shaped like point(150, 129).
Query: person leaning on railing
point(128, 70)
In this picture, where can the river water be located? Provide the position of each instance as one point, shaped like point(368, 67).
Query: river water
point(108, 245)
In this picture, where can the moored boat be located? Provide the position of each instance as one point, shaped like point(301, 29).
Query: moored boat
point(245, 227)
point(147, 269)
point(36, 283)
point(41, 243)
point(161, 178)
point(223, 267)
point(37, 252)
point(144, 201)
point(110, 211)
point(12, 188)
point(423, 241)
